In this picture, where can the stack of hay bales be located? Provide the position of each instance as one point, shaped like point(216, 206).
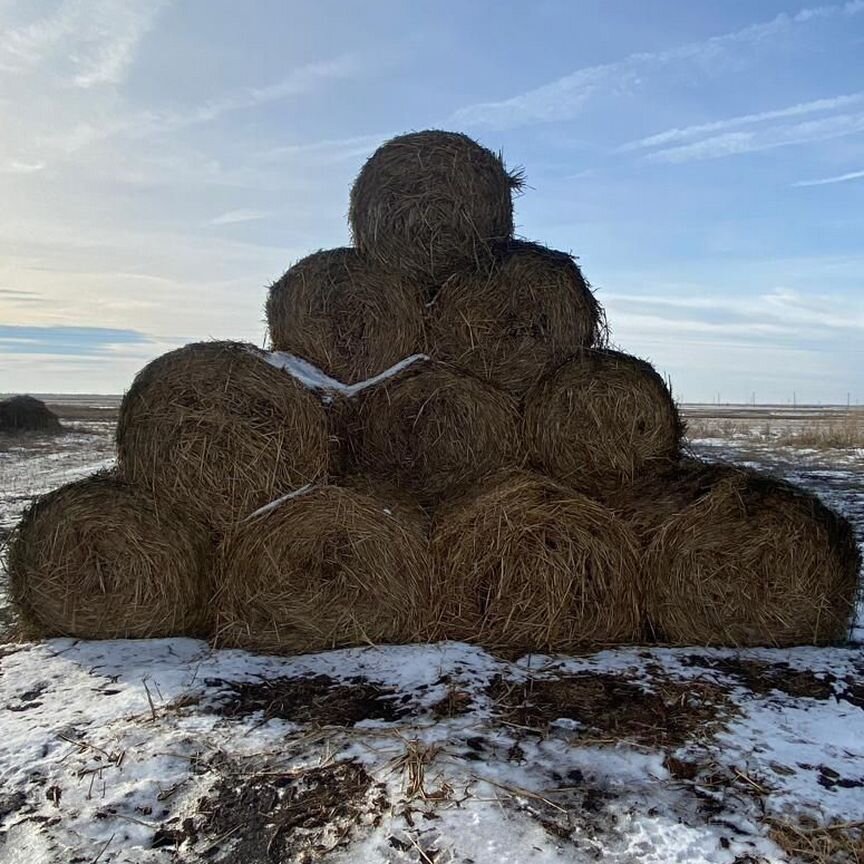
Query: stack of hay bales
point(440, 444)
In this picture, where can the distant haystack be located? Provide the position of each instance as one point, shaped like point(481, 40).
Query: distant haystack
point(26, 414)
point(345, 314)
point(216, 430)
point(95, 560)
point(429, 202)
point(512, 322)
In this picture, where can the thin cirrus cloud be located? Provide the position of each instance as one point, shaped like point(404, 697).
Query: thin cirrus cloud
point(234, 217)
point(698, 130)
point(827, 181)
point(67, 341)
point(769, 138)
point(98, 40)
point(565, 97)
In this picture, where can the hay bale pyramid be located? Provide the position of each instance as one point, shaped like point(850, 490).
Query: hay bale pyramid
point(439, 444)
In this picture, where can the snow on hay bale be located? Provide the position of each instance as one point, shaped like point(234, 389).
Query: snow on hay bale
point(517, 319)
point(528, 563)
point(325, 568)
point(26, 414)
point(428, 202)
point(96, 560)
point(433, 431)
point(216, 429)
point(739, 558)
point(345, 314)
point(600, 420)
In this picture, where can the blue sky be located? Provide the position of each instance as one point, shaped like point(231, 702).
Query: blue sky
point(162, 162)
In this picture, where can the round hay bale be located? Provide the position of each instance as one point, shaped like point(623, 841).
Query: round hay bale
point(345, 314)
point(434, 431)
point(96, 560)
point(527, 563)
point(515, 321)
point(27, 414)
point(330, 567)
point(215, 429)
point(740, 559)
point(600, 420)
point(429, 202)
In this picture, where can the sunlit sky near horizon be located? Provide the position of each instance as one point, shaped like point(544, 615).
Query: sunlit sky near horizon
point(162, 162)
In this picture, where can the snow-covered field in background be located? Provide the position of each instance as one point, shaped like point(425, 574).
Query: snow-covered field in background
point(166, 750)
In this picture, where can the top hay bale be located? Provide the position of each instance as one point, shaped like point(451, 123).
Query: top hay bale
point(26, 414)
point(345, 314)
point(429, 202)
point(515, 320)
point(218, 431)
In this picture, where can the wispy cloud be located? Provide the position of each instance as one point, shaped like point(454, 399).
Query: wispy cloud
point(232, 217)
point(768, 138)
point(96, 39)
point(565, 97)
point(781, 312)
point(326, 151)
point(299, 81)
point(826, 181)
point(73, 341)
point(16, 166)
point(697, 131)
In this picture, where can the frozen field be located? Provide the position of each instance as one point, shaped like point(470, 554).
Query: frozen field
point(168, 751)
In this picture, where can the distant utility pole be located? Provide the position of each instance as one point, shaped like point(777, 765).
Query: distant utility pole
point(794, 399)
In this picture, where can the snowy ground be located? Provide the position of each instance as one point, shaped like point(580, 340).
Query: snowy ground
point(168, 751)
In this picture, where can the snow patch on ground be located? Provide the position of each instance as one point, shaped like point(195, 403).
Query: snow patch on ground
point(109, 749)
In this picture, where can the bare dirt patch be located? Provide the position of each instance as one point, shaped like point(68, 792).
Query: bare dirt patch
point(763, 678)
point(272, 815)
point(318, 700)
point(668, 713)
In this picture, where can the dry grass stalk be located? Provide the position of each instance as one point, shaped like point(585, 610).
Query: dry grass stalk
point(738, 558)
point(434, 431)
point(215, 429)
point(327, 568)
point(600, 420)
point(96, 560)
point(514, 321)
point(527, 563)
point(808, 842)
point(429, 202)
point(345, 314)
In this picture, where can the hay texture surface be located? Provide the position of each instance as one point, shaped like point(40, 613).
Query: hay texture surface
point(215, 429)
point(748, 560)
point(345, 314)
point(600, 420)
point(429, 202)
point(515, 321)
point(527, 563)
point(26, 414)
point(327, 568)
point(95, 560)
point(433, 431)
